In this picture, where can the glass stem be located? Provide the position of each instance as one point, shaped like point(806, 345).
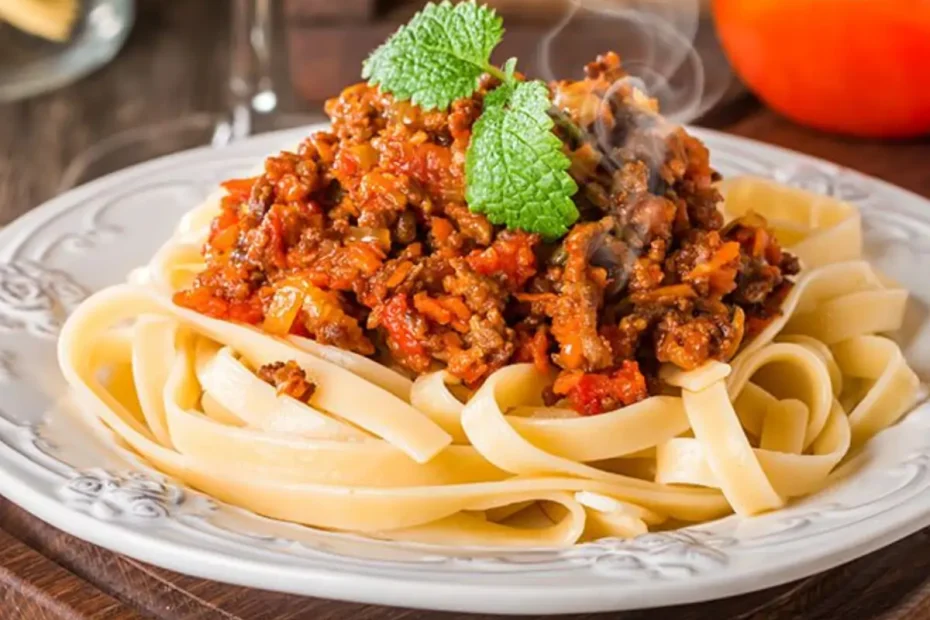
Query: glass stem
point(250, 86)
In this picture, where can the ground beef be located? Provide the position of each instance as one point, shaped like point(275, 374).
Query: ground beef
point(578, 295)
point(763, 266)
point(362, 239)
point(288, 379)
point(688, 340)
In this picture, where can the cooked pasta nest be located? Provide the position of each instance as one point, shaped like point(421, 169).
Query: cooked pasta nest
point(373, 452)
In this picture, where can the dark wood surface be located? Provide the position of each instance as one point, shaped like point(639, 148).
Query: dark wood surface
point(174, 67)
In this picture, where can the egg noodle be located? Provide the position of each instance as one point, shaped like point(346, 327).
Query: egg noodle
point(378, 454)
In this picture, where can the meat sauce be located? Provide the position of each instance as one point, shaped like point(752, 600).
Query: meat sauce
point(288, 379)
point(362, 239)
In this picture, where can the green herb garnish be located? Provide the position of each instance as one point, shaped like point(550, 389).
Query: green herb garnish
point(515, 172)
point(439, 56)
point(515, 168)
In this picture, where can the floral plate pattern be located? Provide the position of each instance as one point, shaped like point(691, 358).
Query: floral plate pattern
point(71, 473)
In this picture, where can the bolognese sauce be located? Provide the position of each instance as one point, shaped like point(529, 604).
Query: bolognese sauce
point(362, 239)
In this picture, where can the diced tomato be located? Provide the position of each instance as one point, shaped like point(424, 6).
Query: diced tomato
point(346, 166)
point(396, 318)
point(358, 158)
point(239, 188)
point(430, 164)
point(593, 393)
point(249, 311)
point(510, 258)
point(204, 301)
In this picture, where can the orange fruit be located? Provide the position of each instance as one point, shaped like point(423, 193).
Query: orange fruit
point(860, 67)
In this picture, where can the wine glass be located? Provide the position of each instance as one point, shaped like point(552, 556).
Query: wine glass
point(43, 47)
point(252, 104)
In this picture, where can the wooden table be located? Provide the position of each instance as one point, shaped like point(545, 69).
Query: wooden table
point(45, 573)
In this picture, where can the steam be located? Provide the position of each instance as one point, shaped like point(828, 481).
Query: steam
point(656, 41)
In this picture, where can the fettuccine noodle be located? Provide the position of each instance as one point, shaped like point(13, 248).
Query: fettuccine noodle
point(374, 453)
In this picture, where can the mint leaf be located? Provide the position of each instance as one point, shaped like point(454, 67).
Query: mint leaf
point(438, 56)
point(509, 68)
point(515, 171)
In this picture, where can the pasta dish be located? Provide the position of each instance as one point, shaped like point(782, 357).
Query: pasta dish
point(396, 330)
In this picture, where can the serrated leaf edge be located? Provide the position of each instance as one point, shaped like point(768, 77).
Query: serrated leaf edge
point(370, 65)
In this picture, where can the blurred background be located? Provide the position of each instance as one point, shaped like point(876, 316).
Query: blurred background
point(91, 86)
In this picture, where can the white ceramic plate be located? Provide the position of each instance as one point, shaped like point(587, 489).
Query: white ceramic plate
point(75, 477)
